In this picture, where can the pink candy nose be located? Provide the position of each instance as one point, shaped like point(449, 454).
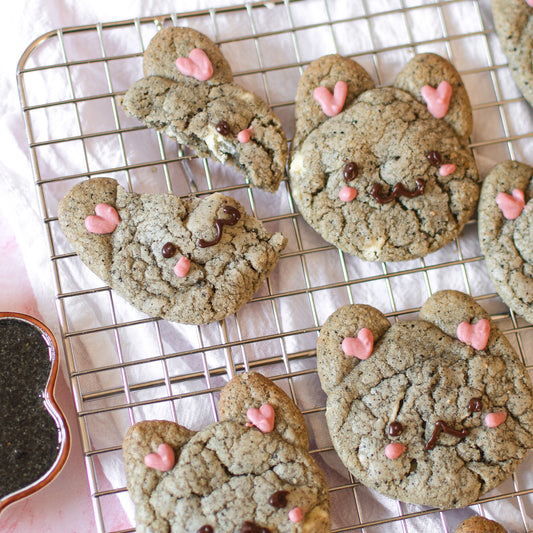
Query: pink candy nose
point(446, 170)
point(244, 135)
point(182, 267)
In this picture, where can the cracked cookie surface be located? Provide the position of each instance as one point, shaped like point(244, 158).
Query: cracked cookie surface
point(394, 144)
point(513, 21)
point(426, 418)
point(506, 237)
point(230, 476)
point(214, 279)
point(208, 115)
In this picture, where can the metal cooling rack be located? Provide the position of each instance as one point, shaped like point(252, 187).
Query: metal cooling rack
point(268, 45)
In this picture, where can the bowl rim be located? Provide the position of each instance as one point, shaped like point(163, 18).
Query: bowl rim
point(50, 405)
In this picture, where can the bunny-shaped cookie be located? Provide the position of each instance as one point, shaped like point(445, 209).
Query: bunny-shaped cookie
point(435, 411)
point(189, 260)
point(188, 94)
point(383, 173)
point(251, 472)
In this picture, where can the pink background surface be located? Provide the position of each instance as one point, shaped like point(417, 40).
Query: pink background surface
point(65, 504)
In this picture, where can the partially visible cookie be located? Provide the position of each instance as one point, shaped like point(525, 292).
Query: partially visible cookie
point(513, 20)
point(250, 472)
point(505, 227)
point(190, 260)
point(435, 411)
point(383, 173)
point(478, 524)
point(188, 93)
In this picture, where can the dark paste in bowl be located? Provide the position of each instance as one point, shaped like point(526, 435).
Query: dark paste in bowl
point(34, 436)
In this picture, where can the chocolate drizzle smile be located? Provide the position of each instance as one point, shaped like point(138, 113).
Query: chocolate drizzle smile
point(220, 223)
point(398, 190)
point(441, 426)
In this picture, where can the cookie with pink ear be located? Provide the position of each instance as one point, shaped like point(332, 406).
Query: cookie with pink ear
point(184, 55)
point(188, 94)
point(435, 82)
point(251, 471)
point(505, 222)
point(383, 173)
point(154, 438)
point(247, 393)
point(327, 85)
point(346, 338)
point(435, 411)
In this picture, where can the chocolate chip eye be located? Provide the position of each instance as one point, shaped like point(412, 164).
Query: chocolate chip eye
point(475, 405)
point(168, 250)
point(278, 499)
point(395, 429)
point(350, 171)
point(223, 128)
point(434, 158)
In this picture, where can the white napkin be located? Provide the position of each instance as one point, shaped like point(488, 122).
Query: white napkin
point(29, 19)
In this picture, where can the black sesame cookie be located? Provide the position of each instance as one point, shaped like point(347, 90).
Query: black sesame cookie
point(435, 411)
point(190, 260)
point(251, 472)
point(513, 21)
point(478, 524)
point(505, 222)
point(188, 94)
point(383, 174)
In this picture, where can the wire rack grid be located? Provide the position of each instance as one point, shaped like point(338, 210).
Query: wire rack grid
point(125, 366)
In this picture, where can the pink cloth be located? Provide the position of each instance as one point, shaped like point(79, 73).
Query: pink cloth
point(41, 512)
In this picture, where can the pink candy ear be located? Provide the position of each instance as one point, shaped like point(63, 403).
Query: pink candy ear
point(438, 100)
point(331, 104)
point(475, 335)
point(198, 65)
point(529, 3)
point(262, 418)
point(511, 206)
point(360, 347)
point(163, 460)
point(104, 221)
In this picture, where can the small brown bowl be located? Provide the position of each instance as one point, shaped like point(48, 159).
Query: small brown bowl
point(34, 434)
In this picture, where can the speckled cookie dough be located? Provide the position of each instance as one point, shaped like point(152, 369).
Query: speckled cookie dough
point(251, 472)
point(513, 20)
point(478, 524)
point(383, 174)
point(505, 222)
point(188, 94)
point(190, 260)
point(435, 411)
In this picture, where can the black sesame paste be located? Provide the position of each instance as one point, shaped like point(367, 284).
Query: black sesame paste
point(29, 439)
